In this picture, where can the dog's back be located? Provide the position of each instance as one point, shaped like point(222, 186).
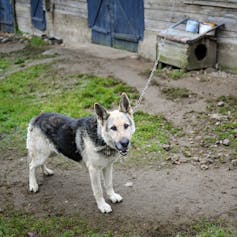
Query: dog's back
point(60, 131)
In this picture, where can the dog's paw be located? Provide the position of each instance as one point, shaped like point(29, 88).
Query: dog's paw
point(48, 172)
point(115, 198)
point(34, 188)
point(105, 207)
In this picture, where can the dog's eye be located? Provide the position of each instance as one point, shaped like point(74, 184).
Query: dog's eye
point(126, 126)
point(114, 128)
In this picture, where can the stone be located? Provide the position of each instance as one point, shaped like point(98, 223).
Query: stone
point(226, 142)
point(217, 156)
point(221, 103)
point(234, 162)
point(210, 160)
point(183, 160)
point(217, 117)
point(187, 153)
point(4, 40)
point(129, 184)
point(204, 161)
point(210, 70)
point(175, 158)
point(31, 234)
point(166, 147)
point(204, 167)
point(196, 159)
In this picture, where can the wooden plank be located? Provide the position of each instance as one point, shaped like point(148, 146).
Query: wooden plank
point(222, 4)
point(198, 10)
point(173, 53)
point(163, 16)
point(70, 7)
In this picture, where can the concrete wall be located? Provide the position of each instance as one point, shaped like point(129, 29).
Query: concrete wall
point(69, 22)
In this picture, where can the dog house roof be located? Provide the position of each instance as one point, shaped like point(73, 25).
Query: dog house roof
point(178, 34)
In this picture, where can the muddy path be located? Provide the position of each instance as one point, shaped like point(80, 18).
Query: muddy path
point(160, 202)
point(168, 198)
point(129, 68)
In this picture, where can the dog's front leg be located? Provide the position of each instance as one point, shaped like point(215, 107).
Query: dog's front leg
point(97, 190)
point(114, 197)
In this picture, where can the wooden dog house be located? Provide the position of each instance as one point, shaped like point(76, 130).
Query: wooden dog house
point(187, 50)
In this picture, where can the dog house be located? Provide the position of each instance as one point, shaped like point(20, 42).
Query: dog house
point(187, 50)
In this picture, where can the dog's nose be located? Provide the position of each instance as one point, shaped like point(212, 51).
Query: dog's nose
point(124, 142)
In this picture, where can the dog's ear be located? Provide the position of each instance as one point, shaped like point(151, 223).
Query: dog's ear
point(101, 112)
point(124, 105)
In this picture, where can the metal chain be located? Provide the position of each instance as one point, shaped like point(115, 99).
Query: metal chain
point(153, 69)
point(147, 84)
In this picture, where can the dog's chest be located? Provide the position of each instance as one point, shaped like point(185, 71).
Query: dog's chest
point(98, 156)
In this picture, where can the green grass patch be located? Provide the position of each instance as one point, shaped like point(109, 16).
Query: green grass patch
point(4, 64)
point(19, 61)
point(16, 59)
point(176, 93)
point(39, 89)
point(152, 132)
point(228, 125)
point(230, 103)
point(18, 224)
point(207, 229)
point(37, 42)
point(174, 74)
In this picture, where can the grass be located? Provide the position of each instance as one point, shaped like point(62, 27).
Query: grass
point(38, 89)
point(176, 93)
point(23, 224)
point(35, 90)
point(18, 223)
point(154, 131)
point(174, 74)
point(4, 64)
point(207, 229)
point(227, 127)
point(32, 51)
point(37, 42)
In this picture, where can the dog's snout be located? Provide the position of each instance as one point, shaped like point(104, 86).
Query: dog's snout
point(124, 142)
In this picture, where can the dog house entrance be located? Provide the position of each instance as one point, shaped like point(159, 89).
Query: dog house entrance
point(201, 51)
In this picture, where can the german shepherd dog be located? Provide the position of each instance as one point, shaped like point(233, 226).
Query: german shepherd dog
point(96, 140)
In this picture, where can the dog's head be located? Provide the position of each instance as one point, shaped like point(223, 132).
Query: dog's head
point(116, 127)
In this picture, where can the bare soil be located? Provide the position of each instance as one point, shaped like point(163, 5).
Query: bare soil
point(161, 202)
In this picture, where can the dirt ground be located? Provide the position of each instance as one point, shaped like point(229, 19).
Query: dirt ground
point(161, 201)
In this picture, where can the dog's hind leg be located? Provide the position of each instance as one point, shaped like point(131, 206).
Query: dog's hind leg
point(37, 159)
point(108, 180)
point(33, 185)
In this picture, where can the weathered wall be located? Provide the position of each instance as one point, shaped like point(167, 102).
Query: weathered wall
point(66, 20)
point(159, 14)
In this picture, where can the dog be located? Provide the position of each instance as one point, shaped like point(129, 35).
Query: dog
point(96, 140)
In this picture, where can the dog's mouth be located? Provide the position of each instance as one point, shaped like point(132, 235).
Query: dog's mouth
point(122, 149)
point(123, 153)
